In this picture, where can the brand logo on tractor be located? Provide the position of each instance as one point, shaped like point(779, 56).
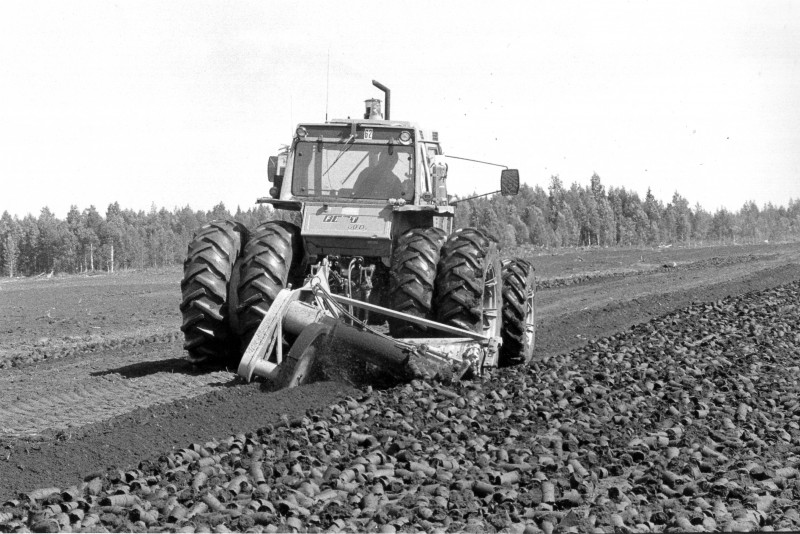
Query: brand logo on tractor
point(335, 218)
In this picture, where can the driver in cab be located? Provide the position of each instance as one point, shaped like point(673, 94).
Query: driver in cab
point(381, 179)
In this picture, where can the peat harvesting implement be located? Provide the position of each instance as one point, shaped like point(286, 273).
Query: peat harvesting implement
point(362, 236)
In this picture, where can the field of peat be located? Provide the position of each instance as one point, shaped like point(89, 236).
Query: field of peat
point(664, 396)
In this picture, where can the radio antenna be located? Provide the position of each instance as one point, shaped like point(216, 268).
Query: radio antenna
point(328, 85)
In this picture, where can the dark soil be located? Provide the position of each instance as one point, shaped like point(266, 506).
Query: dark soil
point(121, 442)
point(686, 422)
point(145, 314)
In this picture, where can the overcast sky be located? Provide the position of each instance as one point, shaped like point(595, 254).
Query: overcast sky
point(178, 103)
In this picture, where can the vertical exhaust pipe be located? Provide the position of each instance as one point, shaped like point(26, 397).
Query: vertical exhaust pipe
point(387, 93)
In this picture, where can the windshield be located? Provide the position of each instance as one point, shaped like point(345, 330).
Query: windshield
point(353, 170)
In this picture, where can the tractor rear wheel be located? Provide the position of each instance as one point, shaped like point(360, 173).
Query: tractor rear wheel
point(270, 261)
point(519, 313)
point(468, 284)
point(412, 277)
point(206, 290)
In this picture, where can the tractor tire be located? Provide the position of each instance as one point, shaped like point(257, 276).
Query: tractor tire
point(208, 283)
point(412, 277)
point(468, 284)
point(270, 261)
point(519, 313)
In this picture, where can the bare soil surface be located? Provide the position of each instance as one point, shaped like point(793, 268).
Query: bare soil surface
point(92, 375)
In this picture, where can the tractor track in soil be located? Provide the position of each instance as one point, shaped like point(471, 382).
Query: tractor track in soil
point(113, 406)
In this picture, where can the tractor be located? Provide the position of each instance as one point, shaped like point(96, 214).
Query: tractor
point(362, 250)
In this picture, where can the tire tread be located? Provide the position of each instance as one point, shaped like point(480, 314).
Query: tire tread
point(205, 287)
point(270, 262)
point(459, 282)
point(412, 277)
point(518, 279)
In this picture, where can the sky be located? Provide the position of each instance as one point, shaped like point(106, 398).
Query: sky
point(181, 103)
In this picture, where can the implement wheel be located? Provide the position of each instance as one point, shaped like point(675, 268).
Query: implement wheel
point(519, 313)
point(206, 290)
point(270, 261)
point(468, 284)
point(300, 365)
point(413, 275)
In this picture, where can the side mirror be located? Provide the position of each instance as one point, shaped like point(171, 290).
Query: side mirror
point(272, 168)
point(439, 167)
point(509, 182)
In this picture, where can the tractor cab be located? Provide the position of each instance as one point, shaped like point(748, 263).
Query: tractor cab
point(359, 183)
point(370, 160)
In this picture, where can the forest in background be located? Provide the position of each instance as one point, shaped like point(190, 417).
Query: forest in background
point(557, 217)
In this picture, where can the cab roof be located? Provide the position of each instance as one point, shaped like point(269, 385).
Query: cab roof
point(374, 122)
point(426, 135)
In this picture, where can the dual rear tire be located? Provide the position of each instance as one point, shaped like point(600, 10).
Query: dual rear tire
point(470, 294)
point(457, 281)
point(230, 282)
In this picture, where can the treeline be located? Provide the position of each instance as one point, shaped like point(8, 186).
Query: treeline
point(122, 239)
point(590, 215)
point(558, 217)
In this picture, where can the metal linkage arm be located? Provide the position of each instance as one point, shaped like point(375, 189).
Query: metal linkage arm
point(460, 332)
